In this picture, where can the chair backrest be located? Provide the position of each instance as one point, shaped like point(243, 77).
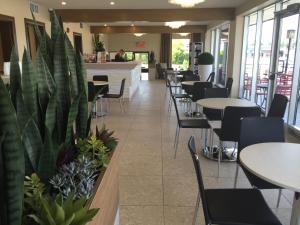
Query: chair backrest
point(122, 87)
point(196, 161)
point(211, 77)
point(230, 128)
point(278, 106)
point(176, 109)
point(254, 130)
point(91, 91)
point(229, 85)
point(198, 90)
point(104, 88)
point(215, 93)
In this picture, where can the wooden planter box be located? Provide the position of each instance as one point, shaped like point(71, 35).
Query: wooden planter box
point(106, 193)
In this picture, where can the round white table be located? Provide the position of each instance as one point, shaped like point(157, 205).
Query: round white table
point(222, 103)
point(279, 164)
point(100, 83)
point(190, 82)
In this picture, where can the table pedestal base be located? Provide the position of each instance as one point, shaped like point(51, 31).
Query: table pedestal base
point(295, 219)
point(228, 154)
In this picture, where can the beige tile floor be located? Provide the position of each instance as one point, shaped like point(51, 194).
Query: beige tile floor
point(155, 188)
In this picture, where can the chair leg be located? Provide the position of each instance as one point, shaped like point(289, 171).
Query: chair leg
point(236, 175)
point(121, 105)
point(176, 136)
point(219, 157)
point(196, 209)
point(177, 140)
point(278, 200)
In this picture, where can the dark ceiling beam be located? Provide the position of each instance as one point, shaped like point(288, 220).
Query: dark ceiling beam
point(147, 29)
point(151, 15)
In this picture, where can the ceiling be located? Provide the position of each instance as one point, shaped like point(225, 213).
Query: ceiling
point(144, 23)
point(134, 4)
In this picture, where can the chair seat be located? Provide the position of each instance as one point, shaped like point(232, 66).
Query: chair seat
point(239, 207)
point(194, 123)
point(111, 96)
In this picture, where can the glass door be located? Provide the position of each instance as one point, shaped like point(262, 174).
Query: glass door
point(143, 57)
point(285, 65)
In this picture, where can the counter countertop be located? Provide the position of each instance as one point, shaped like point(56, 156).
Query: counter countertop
point(113, 65)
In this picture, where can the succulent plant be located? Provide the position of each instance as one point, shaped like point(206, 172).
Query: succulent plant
point(106, 137)
point(77, 177)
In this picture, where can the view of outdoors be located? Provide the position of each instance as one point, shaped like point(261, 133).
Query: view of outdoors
point(258, 58)
point(222, 56)
point(180, 54)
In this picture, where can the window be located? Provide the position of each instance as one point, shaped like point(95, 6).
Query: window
point(180, 53)
point(31, 37)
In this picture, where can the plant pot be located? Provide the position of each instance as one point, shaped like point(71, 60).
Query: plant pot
point(106, 193)
point(204, 71)
point(101, 57)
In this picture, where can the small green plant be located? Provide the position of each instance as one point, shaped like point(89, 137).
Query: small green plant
point(95, 149)
point(98, 45)
point(63, 212)
point(77, 177)
point(106, 137)
point(206, 59)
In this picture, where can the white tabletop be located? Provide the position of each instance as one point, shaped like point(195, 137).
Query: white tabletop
point(277, 163)
point(100, 83)
point(222, 103)
point(190, 82)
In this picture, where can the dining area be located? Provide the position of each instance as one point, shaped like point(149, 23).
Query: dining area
point(237, 132)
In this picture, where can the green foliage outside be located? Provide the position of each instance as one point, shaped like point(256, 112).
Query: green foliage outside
point(180, 56)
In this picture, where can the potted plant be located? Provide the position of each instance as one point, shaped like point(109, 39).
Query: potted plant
point(205, 65)
point(46, 139)
point(99, 49)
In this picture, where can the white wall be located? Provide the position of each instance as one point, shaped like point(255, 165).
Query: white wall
point(128, 43)
point(19, 9)
point(87, 46)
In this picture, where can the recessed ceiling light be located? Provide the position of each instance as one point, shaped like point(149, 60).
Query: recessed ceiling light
point(105, 25)
point(63, 3)
point(112, 3)
point(186, 3)
point(138, 34)
point(132, 25)
point(175, 24)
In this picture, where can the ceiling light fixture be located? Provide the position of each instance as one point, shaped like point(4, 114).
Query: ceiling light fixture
point(112, 3)
point(175, 24)
point(138, 34)
point(63, 3)
point(183, 34)
point(105, 25)
point(132, 25)
point(186, 3)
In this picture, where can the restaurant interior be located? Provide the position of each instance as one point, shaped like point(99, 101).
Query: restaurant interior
point(162, 112)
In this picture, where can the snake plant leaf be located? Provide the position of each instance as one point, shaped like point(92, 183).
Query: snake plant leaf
point(72, 66)
point(82, 120)
point(29, 86)
point(30, 134)
point(61, 77)
point(13, 156)
point(43, 88)
point(15, 74)
point(56, 28)
point(71, 119)
point(50, 120)
point(3, 213)
point(47, 160)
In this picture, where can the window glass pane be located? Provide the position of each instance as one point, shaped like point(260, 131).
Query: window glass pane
point(268, 13)
point(253, 19)
point(222, 56)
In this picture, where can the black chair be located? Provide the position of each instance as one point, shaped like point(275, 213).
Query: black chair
point(229, 83)
point(176, 96)
point(230, 206)
point(105, 88)
point(198, 90)
point(118, 96)
point(214, 114)
point(278, 106)
point(190, 123)
point(211, 77)
point(230, 127)
point(259, 130)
